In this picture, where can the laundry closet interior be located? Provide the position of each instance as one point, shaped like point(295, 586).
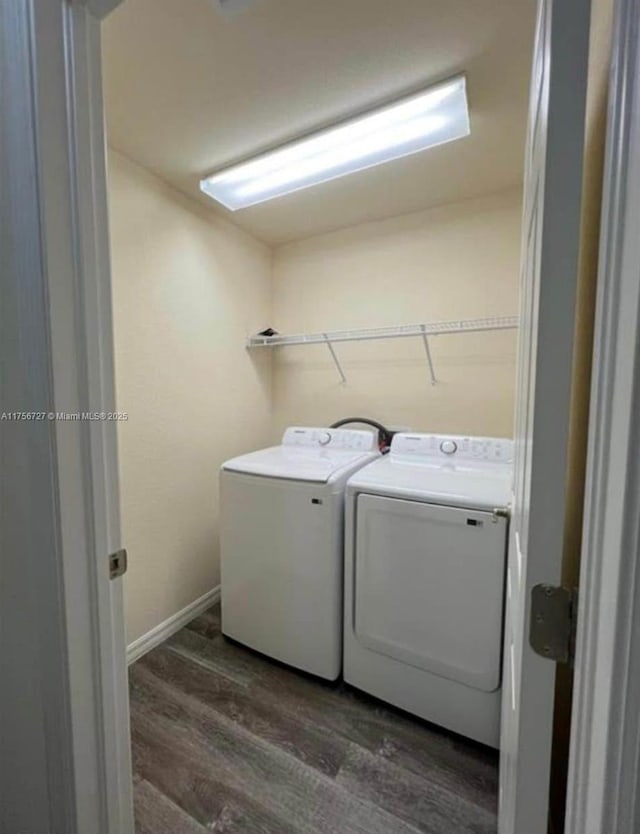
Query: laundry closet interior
point(343, 671)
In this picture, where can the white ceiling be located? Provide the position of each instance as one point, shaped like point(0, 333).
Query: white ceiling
point(189, 89)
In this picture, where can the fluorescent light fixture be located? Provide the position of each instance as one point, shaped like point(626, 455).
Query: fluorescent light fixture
point(411, 124)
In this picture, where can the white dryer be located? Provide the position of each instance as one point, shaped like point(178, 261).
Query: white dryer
point(282, 539)
point(425, 547)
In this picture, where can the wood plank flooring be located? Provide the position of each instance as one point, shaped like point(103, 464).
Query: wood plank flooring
point(225, 740)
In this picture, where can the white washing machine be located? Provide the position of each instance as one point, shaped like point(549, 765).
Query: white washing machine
point(425, 548)
point(282, 540)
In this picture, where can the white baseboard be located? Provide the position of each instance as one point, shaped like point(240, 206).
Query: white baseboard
point(164, 630)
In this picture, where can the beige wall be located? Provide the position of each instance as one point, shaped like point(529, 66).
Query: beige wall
point(455, 261)
point(188, 288)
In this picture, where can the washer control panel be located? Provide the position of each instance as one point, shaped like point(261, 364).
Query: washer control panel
point(347, 439)
point(449, 447)
point(443, 447)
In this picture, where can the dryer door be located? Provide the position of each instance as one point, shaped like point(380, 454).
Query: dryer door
point(429, 587)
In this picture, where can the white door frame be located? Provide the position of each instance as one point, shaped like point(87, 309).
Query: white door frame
point(63, 721)
point(604, 773)
point(549, 267)
point(64, 737)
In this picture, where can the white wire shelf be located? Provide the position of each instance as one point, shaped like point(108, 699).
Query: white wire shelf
point(398, 332)
point(422, 331)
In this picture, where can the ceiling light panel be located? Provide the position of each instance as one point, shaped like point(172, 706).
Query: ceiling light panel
point(423, 120)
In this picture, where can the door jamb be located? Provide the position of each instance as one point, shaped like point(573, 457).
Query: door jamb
point(603, 792)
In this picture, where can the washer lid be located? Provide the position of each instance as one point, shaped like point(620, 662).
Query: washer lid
point(443, 469)
point(309, 454)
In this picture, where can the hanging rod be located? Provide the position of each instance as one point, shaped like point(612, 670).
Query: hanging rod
point(439, 328)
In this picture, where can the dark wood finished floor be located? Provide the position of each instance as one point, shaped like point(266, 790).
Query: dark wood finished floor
point(225, 740)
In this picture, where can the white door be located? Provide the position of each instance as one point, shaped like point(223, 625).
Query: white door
point(64, 735)
point(550, 239)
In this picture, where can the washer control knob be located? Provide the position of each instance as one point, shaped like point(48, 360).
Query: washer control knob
point(324, 438)
point(448, 447)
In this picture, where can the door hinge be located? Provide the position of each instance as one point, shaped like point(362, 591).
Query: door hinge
point(552, 629)
point(117, 563)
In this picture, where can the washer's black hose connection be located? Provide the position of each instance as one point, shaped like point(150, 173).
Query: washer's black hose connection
point(385, 435)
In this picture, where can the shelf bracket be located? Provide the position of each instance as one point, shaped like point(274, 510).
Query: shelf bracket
point(335, 358)
point(427, 350)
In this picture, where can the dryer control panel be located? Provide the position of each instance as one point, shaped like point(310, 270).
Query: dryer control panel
point(347, 439)
point(443, 447)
